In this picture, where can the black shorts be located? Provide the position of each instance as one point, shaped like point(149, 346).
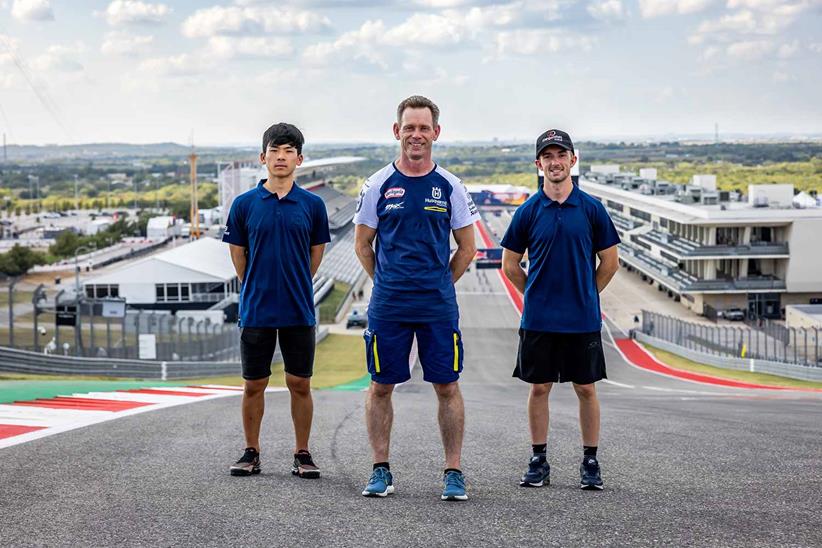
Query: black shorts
point(257, 346)
point(560, 357)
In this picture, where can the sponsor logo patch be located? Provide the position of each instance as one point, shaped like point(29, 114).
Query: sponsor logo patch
point(392, 207)
point(552, 136)
point(436, 208)
point(394, 192)
point(436, 193)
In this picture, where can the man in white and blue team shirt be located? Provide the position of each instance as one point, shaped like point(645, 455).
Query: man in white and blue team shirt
point(412, 206)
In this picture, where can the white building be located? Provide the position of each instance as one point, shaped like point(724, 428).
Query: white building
point(707, 250)
point(193, 276)
point(160, 228)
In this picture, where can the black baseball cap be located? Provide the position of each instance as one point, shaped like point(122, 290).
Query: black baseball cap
point(554, 137)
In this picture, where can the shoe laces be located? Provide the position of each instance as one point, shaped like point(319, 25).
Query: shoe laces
point(304, 457)
point(249, 455)
point(454, 479)
point(379, 474)
point(536, 462)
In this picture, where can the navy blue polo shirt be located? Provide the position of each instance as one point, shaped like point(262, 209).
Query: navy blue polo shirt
point(414, 217)
point(562, 241)
point(278, 233)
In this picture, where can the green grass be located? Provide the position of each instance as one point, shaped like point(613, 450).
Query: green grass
point(679, 362)
point(18, 296)
point(330, 305)
point(732, 176)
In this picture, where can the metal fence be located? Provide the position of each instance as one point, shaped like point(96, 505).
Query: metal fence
point(25, 362)
point(156, 335)
point(769, 341)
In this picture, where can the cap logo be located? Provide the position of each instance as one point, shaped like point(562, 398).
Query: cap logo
point(552, 136)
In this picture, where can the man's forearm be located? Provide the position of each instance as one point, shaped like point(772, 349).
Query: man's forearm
point(367, 259)
point(239, 261)
point(517, 276)
point(605, 272)
point(460, 261)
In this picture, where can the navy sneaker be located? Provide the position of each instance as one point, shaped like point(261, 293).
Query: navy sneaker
point(538, 473)
point(589, 476)
point(381, 483)
point(453, 486)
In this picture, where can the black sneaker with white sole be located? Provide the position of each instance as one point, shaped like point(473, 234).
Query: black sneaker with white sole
point(590, 478)
point(304, 466)
point(248, 464)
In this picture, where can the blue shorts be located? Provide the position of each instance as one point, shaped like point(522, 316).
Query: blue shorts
point(388, 348)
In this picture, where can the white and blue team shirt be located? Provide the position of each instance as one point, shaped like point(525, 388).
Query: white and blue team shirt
point(414, 217)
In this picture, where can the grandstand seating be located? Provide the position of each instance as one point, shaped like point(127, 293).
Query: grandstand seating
point(340, 207)
point(340, 262)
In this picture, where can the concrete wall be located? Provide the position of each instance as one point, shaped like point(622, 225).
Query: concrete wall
point(799, 372)
point(805, 267)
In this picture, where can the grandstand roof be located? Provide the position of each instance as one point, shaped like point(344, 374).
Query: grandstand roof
point(203, 260)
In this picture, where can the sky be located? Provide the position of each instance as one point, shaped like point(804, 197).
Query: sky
point(220, 72)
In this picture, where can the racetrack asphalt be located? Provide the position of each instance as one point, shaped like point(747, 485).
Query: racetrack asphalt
point(684, 464)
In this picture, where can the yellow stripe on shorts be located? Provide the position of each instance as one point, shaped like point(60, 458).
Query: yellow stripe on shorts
point(376, 356)
point(456, 354)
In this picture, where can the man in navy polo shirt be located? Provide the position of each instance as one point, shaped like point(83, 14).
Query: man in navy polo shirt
point(412, 206)
point(277, 234)
point(564, 230)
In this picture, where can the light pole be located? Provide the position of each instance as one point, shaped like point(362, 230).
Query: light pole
point(11, 310)
point(78, 299)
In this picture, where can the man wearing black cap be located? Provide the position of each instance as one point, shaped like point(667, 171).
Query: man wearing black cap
point(563, 230)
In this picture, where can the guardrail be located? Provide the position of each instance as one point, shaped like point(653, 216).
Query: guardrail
point(25, 362)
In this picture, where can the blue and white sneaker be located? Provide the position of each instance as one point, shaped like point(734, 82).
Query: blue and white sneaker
point(453, 486)
point(589, 476)
point(538, 473)
point(381, 483)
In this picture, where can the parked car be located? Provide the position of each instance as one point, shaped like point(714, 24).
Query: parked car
point(358, 317)
point(734, 314)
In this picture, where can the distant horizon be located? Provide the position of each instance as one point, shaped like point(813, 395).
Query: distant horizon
point(698, 138)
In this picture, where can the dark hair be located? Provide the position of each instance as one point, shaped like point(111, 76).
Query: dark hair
point(283, 134)
point(418, 101)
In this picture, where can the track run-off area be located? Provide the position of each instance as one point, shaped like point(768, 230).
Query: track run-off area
point(685, 461)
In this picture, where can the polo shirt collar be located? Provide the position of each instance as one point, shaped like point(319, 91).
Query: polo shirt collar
point(572, 200)
point(263, 192)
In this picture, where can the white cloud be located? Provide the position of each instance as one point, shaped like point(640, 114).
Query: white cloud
point(426, 30)
point(60, 58)
point(606, 9)
point(32, 10)
point(533, 41)
point(816, 47)
point(7, 81)
point(750, 49)
point(789, 50)
point(236, 20)
point(127, 44)
point(355, 45)
point(130, 12)
point(657, 8)
point(227, 47)
point(183, 64)
point(781, 76)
